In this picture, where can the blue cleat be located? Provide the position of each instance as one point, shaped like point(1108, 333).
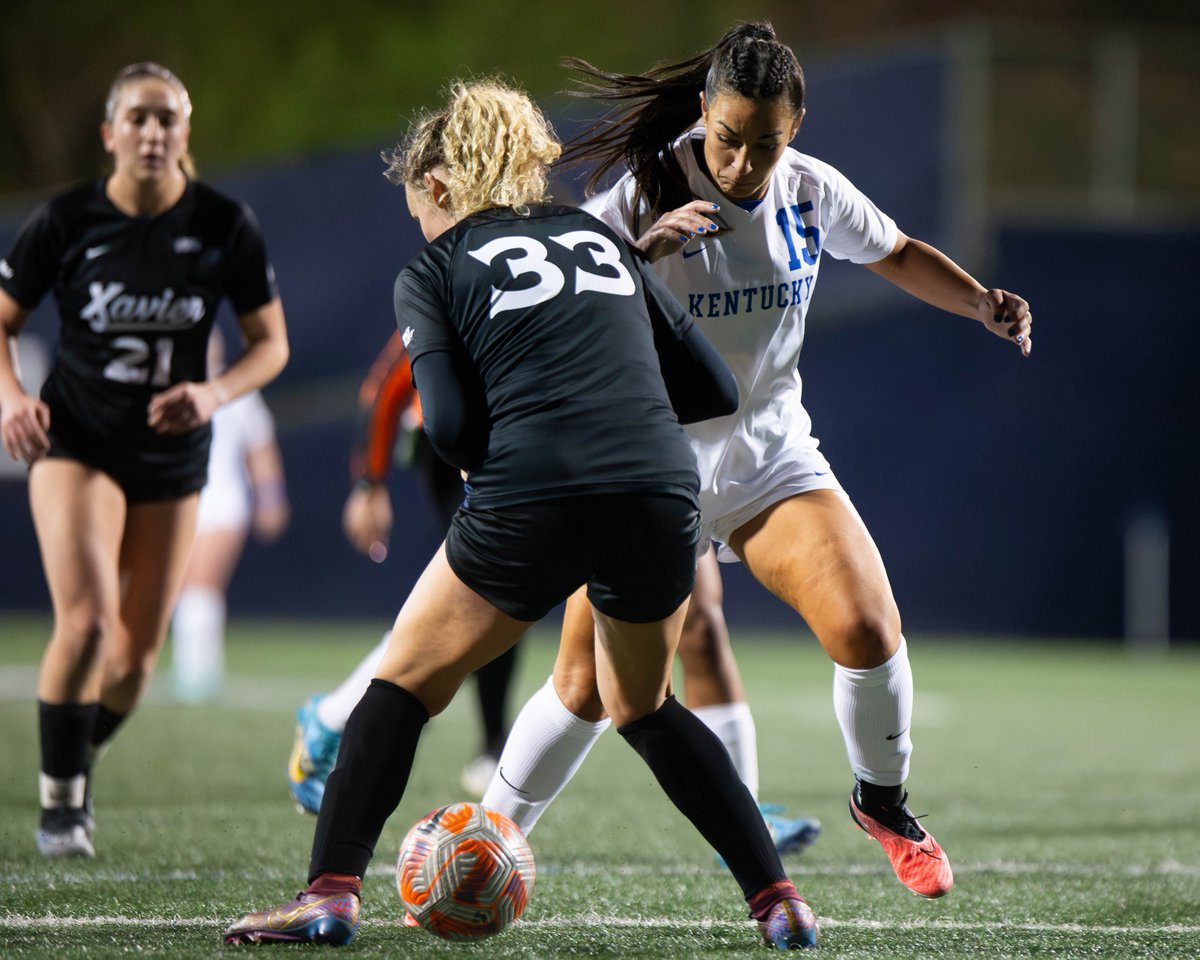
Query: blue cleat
point(310, 918)
point(790, 835)
point(791, 925)
point(313, 755)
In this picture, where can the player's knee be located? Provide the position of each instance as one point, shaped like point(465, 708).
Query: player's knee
point(861, 639)
point(82, 631)
point(704, 634)
point(576, 688)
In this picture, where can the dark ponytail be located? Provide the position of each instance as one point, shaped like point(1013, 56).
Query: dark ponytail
point(652, 109)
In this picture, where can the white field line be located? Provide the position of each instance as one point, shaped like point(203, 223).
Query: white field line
point(1166, 868)
point(600, 922)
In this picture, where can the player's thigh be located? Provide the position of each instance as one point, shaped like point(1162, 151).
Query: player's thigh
point(79, 515)
point(813, 551)
point(444, 632)
point(575, 664)
point(154, 555)
point(633, 663)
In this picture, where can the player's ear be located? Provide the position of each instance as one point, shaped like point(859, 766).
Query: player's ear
point(106, 136)
point(703, 106)
point(796, 121)
point(437, 190)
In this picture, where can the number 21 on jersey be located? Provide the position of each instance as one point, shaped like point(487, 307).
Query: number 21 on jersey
point(141, 361)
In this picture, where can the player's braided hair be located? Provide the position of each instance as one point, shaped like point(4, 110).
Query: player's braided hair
point(142, 71)
point(655, 107)
point(494, 142)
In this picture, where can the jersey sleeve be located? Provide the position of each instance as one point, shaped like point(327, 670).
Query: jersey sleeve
point(422, 314)
point(857, 230)
point(393, 391)
point(31, 266)
point(614, 206)
point(249, 277)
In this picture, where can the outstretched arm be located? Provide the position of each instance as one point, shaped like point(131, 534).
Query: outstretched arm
point(928, 274)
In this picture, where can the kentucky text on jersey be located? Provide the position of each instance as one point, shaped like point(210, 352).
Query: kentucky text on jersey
point(110, 308)
point(724, 303)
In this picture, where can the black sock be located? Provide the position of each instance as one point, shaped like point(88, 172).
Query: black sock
point(694, 769)
point(105, 726)
point(874, 799)
point(64, 729)
point(492, 684)
point(373, 764)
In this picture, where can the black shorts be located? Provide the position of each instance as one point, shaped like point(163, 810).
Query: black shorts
point(635, 551)
point(143, 475)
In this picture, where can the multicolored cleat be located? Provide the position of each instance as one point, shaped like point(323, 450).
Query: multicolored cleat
point(790, 925)
point(314, 754)
point(310, 918)
point(918, 860)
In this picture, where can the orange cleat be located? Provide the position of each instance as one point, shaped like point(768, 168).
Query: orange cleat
point(918, 860)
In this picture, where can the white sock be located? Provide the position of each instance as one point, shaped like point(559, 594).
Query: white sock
point(334, 710)
point(874, 710)
point(545, 747)
point(62, 791)
point(734, 726)
point(198, 642)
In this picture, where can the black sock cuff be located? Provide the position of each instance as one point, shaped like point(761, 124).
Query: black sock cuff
point(402, 698)
point(65, 729)
point(107, 722)
point(661, 717)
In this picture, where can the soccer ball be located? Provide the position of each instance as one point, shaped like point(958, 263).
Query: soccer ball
point(465, 872)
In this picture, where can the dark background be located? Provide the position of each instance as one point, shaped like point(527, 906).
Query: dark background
point(999, 490)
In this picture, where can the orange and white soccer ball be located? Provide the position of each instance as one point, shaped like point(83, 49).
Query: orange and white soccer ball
point(465, 872)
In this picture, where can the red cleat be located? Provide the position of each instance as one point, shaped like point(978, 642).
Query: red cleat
point(918, 860)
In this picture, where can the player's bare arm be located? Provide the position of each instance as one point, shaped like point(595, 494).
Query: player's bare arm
point(675, 228)
point(24, 420)
point(928, 274)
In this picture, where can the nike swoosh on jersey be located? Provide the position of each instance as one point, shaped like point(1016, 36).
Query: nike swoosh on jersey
point(91, 253)
point(692, 253)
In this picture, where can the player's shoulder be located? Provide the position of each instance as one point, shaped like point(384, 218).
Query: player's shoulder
point(70, 205)
point(801, 169)
point(216, 205)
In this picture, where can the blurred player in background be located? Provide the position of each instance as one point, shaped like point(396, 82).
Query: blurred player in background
point(735, 222)
point(118, 441)
point(245, 491)
point(392, 432)
point(532, 388)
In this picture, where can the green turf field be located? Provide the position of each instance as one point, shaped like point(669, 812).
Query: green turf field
point(1063, 781)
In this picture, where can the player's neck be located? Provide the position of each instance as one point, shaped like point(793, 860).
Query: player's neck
point(145, 198)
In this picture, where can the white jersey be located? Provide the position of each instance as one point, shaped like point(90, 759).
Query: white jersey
point(242, 425)
point(748, 287)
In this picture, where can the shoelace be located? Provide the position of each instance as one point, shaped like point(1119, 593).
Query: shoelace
point(901, 821)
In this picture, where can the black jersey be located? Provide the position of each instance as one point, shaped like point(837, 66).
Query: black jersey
point(137, 296)
point(553, 313)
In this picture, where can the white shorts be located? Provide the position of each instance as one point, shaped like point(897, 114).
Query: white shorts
point(223, 506)
point(811, 472)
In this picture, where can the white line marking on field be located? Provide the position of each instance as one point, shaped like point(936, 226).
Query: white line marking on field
point(1165, 868)
point(599, 921)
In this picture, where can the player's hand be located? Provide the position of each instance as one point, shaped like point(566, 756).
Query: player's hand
point(367, 520)
point(1008, 316)
point(183, 407)
point(270, 520)
point(24, 421)
point(676, 228)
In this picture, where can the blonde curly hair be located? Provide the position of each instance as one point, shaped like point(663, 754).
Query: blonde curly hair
point(494, 142)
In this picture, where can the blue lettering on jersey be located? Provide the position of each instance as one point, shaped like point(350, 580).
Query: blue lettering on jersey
point(725, 303)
